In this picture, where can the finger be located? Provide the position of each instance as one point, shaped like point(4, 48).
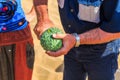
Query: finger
point(36, 31)
point(38, 37)
point(59, 36)
point(60, 52)
point(54, 54)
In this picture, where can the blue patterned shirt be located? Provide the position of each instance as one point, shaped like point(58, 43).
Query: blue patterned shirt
point(19, 14)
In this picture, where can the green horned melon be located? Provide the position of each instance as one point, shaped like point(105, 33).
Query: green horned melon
point(48, 42)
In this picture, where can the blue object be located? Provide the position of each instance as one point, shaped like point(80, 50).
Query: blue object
point(7, 10)
point(17, 16)
point(72, 24)
point(98, 60)
point(1, 5)
point(118, 7)
point(90, 2)
point(110, 17)
point(18, 25)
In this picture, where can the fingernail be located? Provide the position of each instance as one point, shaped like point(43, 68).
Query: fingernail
point(54, 35)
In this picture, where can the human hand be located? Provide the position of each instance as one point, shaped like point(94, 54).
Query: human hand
point(41, 26)
point(68, 43)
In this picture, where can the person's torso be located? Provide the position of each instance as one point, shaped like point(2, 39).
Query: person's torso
point(82, 15)
point(79, 16)
point(13, 25)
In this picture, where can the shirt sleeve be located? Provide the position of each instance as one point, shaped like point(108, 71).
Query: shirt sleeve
point(113, 25)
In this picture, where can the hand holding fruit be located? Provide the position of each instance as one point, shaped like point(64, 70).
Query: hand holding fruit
point(68, 42)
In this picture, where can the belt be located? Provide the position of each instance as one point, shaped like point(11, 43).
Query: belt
point(18, 25)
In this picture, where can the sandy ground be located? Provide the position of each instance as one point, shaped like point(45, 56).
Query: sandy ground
point(46, 67)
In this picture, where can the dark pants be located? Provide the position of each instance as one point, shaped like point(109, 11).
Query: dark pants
point(102, 68)
point(16, 61)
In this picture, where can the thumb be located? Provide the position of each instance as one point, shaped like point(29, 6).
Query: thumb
point(59, 36)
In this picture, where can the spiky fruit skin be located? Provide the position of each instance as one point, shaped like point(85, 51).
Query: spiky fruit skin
point(48, 42)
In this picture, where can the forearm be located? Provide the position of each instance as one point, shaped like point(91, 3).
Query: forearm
point(41, 9)
point(97, 36)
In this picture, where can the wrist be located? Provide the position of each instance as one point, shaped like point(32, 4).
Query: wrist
point(77, 38)
point(42, 12)
point(44, 17)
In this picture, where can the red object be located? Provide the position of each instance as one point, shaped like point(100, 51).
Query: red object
point(20, 38)
point(5, 8)
point(22, 72)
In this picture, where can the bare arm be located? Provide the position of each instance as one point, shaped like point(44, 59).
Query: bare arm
point(97, 36)
point(43, 21)
point(41, 9)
